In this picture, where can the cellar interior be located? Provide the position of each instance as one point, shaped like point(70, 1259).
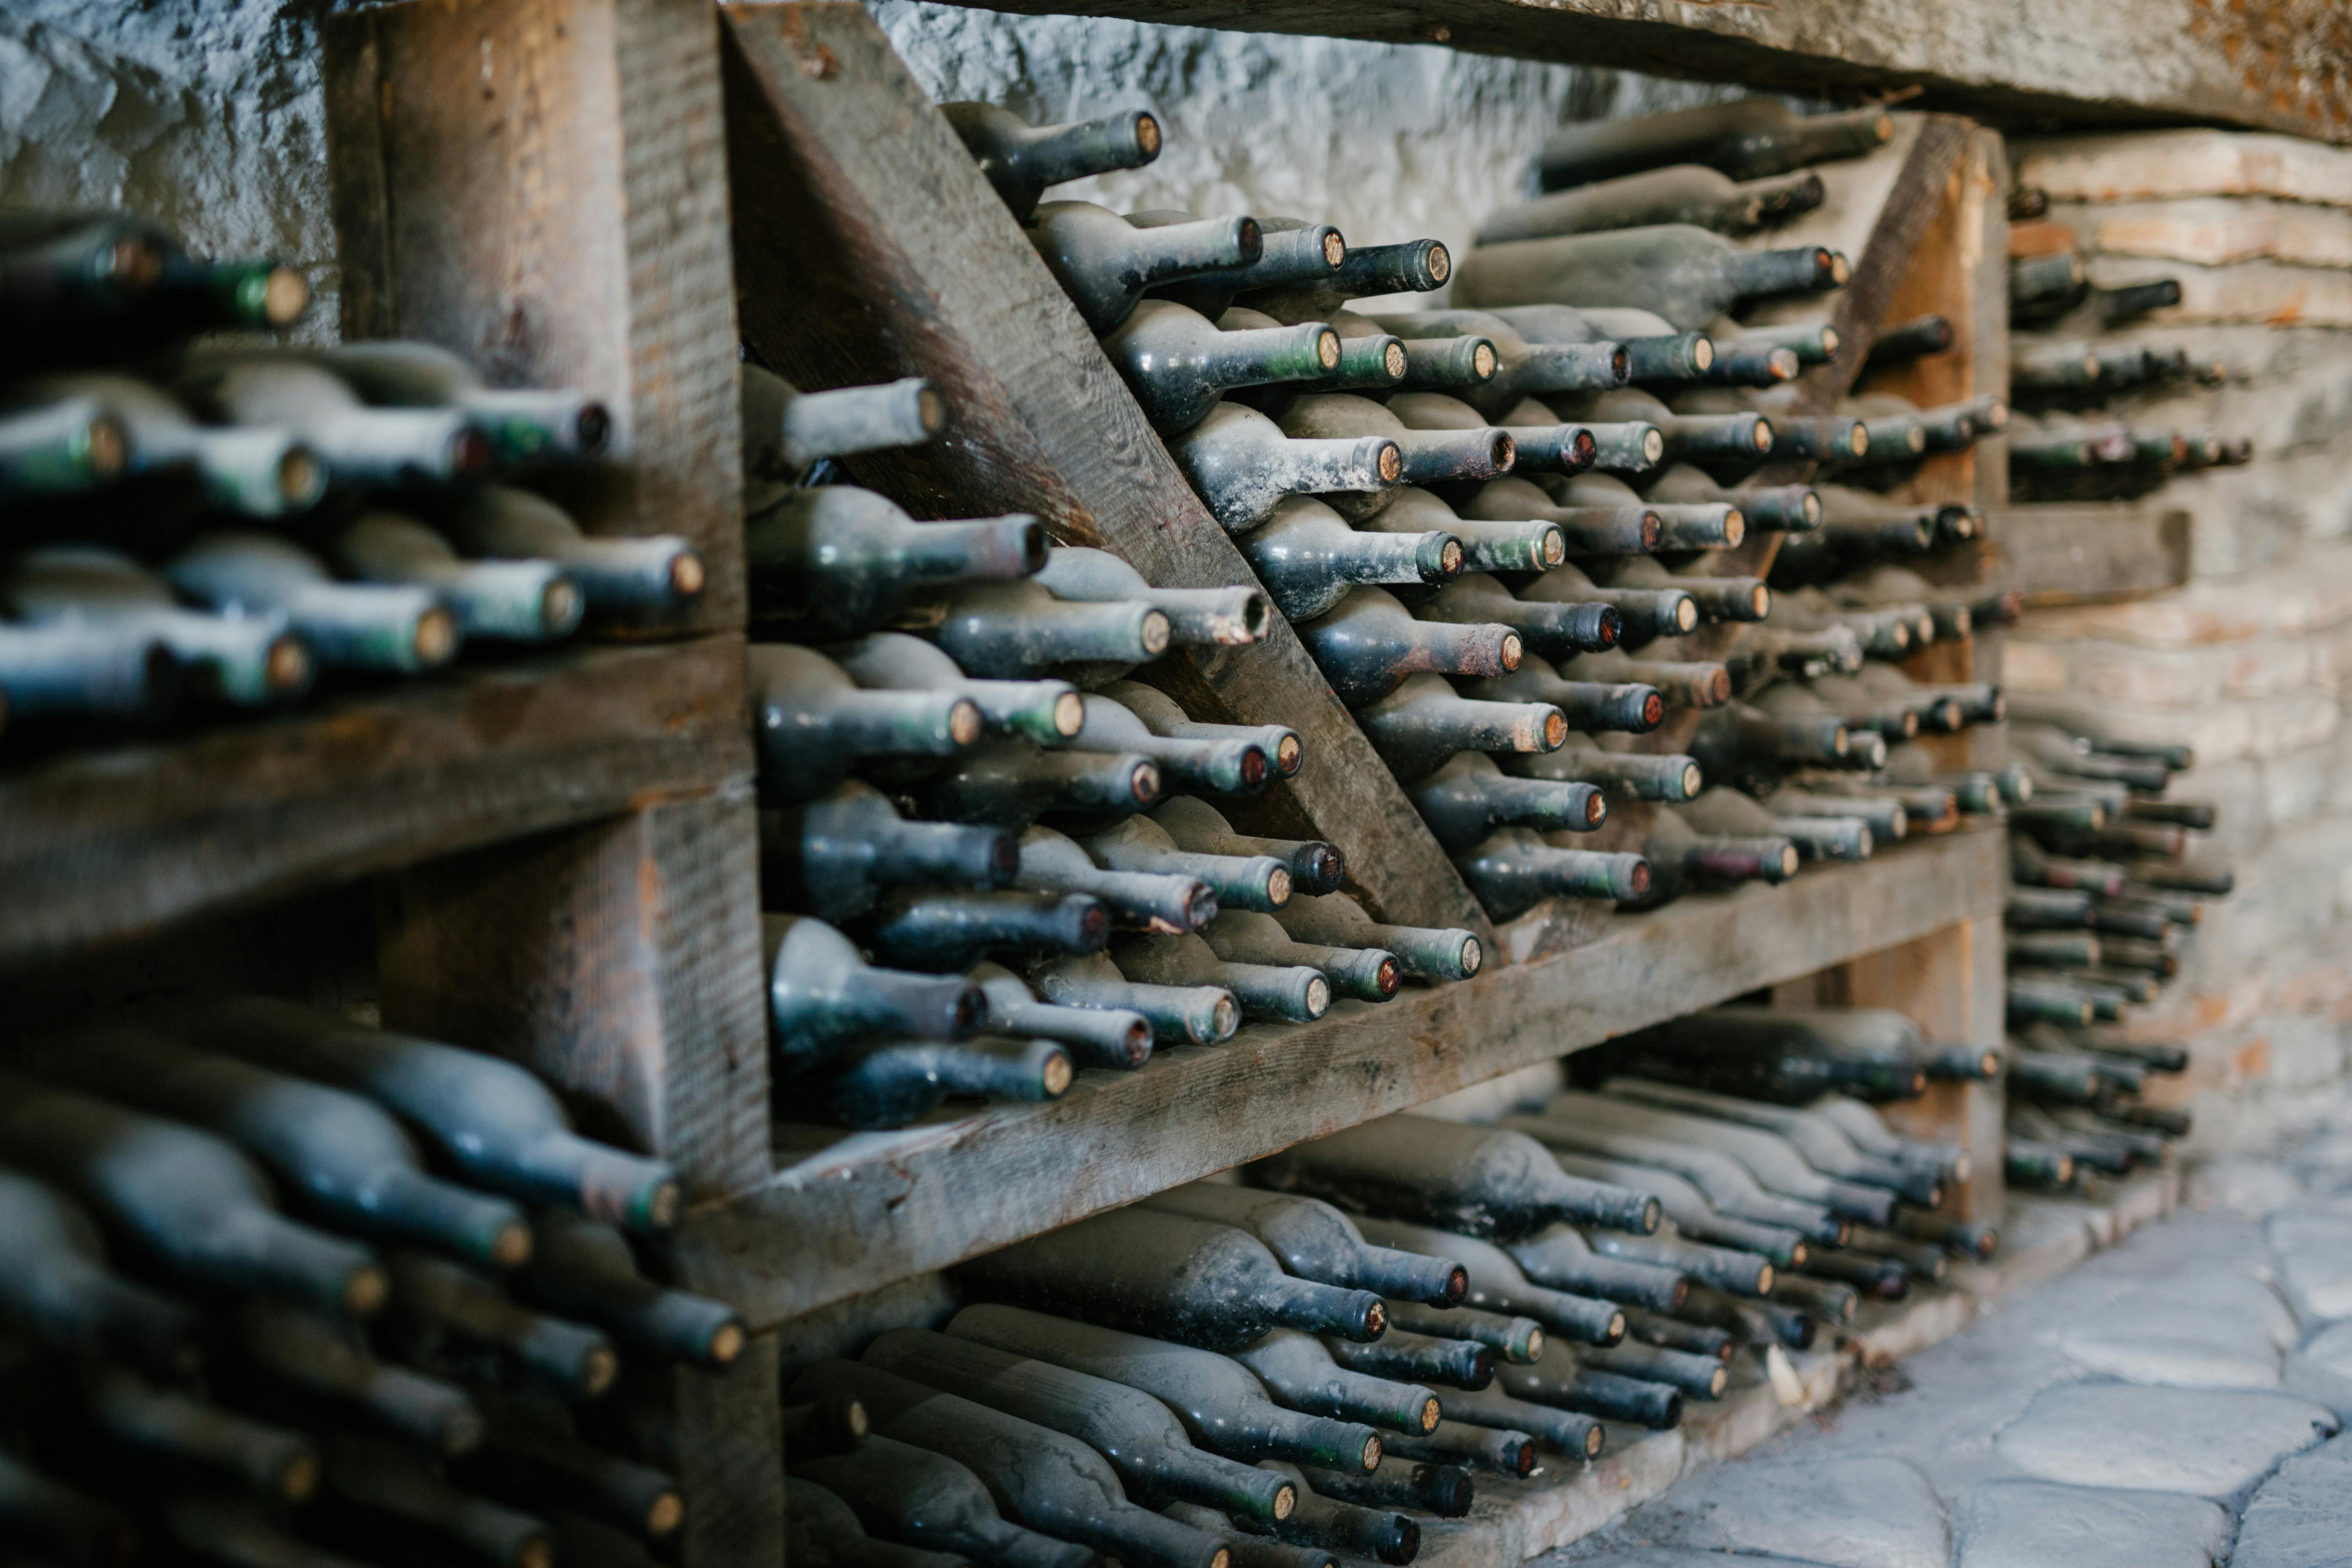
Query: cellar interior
point(1246, 785)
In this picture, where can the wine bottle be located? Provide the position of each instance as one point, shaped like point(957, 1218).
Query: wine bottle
point(1119, 1038)
point(1706, 525)
point(1628, 707)
point(1161, 716)
point(1424, 952)
point(286, 1350)
point(363, 447)
point(833, 559)
point(1686, 274)
point(1180, 363)
point(1572, 1434)
point(1196, 1014)
point(78, 282)
point(1444, 1490)
point(350, 626)
point(1369, 644)
point(489, 1120)
point(1515, 870)
point(823, 997)
point(941, 932)
point(1291, 252)
point(1497, 1285)
point(1677, 193)
point(1775, 508)
point(1011, 782)
point(1681, 854)
point(1552, 628)
point(1475, 1181)
point(179, 1433)
point(1505, 1452)
point(61, 449)
point(1654, 350)
point(1729, 1253)
point(1776, 1163)
point(1524, 368)
point(1141, 1436)
point(1242, 880)
point(2043, 287)
point(1020, 160)
point(812, 722)
point(261, 472)
point(1592, 1395)
point(1421, 724)
point(1240, 464)
point(835, 855)
point(522, 424)
point(435, 1302)
point(1309, 557)
point(56, 1287)
point(1427, 456)
point(1738, 599)
point(186, 1202)
point(519, 601)
point(1233, 617)
point(1316, 1241)
point(1823, 438)
point(1235, 765)
point(1726, 1184)
point(382, 1495)
point(1510, 1338)
point(920, 1499)
point(1746, 139)
point(889, 1083)
point(785, 429)
point(1242, 936)
point(1791, 1056)
point(1221, 1403)
point(823, 1427)
point(1666, 778)
point(1293, 994)
point(1544, 447)
point(247, 661)
point(1740, 740)
point(1465, 800)
point(336, 1155)
point(1315, 868)
point(231, 1529)
point(1408, 1357)
point(1163, 901)
point(1105, 264)
point(822, 1529)
point(548, 1469)
point(1826, 1145)
point(1738, 439)
point(583, 1269)
point(1370, 360)
point(52, 1519)
point(1561, 1259)
point(1412, 267)
point(1196, 1282)
point(1020, 631)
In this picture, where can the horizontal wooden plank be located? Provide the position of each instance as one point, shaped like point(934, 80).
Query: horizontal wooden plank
point(2273, 63)
point(2070, 554)
point(101, 845)
point(848, 1213)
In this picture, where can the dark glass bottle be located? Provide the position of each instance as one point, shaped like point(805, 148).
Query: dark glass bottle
point(285, 1349)
point(1166, 902)
point(810, 722)
point(1504, 1452)
point(1178, 364)
point(1584, 529)
point(834, 560)
point(1369, 644)
point(1195, 826)
point(442, 1312)
point(1409, 1356)
point(524, 425)
point(785, 429)
point(1425, 953)
point(1244, 936)
point(1511, 1338)
point(821, 996)
point(1105, 264)
point(1020, 631)
point(1497, 1285)
point(397, 628)
point(1292, 252)
point(1465, 800)
point(1523, 368)
point(1011, 782)
point(917, 1498)
point(1677, 193)
point(1196, 1014)
point(943, 932)
point(545, 1470)
point(1421, 724)
point(1240, 464)
point(55, 1521)
point(252, 661)
point(1655, 350)
point(1746, 139)
point(1045, 711)
point(1643, 776)
point(1115, 1038)
point(1572, 1434)
point(1246, 879)
point(387, 1496)
point(1515, 870)
point(1552, 628)
point(1300, 1371)
point(1223, 765)
point(889, 1083)
point(1161, 716)
point(1621, 707)
point(1233, 617)
point(1309, 557)
point(1291, 994)
point(584, 1269)
point(363, 447)
point(1316, 1241)
point(834, 856)
point(1686, 274)
point(1020, 160)
point(56, 1287)
point(1427, 456)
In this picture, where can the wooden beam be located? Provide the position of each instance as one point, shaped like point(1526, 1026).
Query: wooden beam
point(2072, 554)
point(848, 1213)
point(106, 845)
point(2276, 65)
point(870, 245)
point(540, 185)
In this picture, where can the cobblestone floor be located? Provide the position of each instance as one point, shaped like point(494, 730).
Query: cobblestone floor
point(2174, 1402)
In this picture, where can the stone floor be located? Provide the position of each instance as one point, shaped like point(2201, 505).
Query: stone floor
point(2174, 1402)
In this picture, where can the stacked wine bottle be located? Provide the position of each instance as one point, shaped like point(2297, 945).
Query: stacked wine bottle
point(1305, 1369)
point(226, 523)
point(278, 1287)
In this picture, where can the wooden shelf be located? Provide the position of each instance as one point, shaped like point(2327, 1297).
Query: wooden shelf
point(848, 1213)
point(96, 846)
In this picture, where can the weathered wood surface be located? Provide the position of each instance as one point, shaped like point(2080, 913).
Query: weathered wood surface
point(542, 186)
point(845, 1213)
point(869, 246)
point(2067, 554)
point(2278, 65)
point(97, 846)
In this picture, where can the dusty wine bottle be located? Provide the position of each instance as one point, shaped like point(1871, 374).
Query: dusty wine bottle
point(1292, 253)
point(1119, 1038)
point(435, 1302)
point(1180, 363)
point(1294, 994)
point(1020, 160)
point(405, 630)
point(1686, 274)
point(1196, 1015)
point(1677, 193)
point(1421, 724)
point(1011, 782)
point(289, 1349)
point(1369, 644)
point(1232, 616)
point(1572, 1433)
point(813, 722)
point(523, 425)
point(1105, 264)
point(1465, 800)
point(1165, 901)
point(835, 855)
point(890, 1083)
point(1194, 824)
point(550, 1470)
point(1241, 880)
point(834, 560)
point(1316, 1241)
point(1223, 765)
point(1424, 952)
point(177, 1433)
point(821, 996)
point(584, 1269)
point(941, 932)
point(1515, 870)
point(1498, 1285)
point(1020, 631)
point(519, 601)
point(362, 448)
point(1240, 464)
point(1746, 139)
point(918, 1498)
point(1241, 936)
point(1410, 1357)
point(54, 1287)
point(1160, 715)
point(1309, 557)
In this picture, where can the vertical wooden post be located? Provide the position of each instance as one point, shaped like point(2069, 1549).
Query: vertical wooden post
point(542, 186)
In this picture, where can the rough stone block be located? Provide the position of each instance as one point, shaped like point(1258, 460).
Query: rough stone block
point(2031, 1524)
point(2302, 1517)
point(2138, 166)
point(1843, 1512)
point(2322, 1368)
point(2207, 1328)
point(2314, 1263)
point(2215, 230)
point(2203, 1442)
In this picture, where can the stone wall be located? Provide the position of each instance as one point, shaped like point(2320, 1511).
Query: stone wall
point(2249, 662)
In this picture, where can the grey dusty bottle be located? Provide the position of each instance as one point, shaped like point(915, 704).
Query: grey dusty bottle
point(624, 579)
point(1233, 617)
point(261, 471)
point(1640, 777)
point(1417, 727)
point(945, 930)
point(62, 448)
point(1179, 1014)
point(1586, 531)
point(1655, 350)
point(1243, 879)
point(1364, 1532)
point(1162, 716)
point(178, 1433)
point(1370, 361)
point(811, 723)
point(1294, 994)
point(835, 855)
point(1244, 936)
point(1707, 525)
point(1412, 267)
point(442, 1312)
point(1020, 631)
point(1301, 1372)
point(834, 560)
point(1634, 708)
point(184, 1201)
point(523, 425)
point(1309, 557)
point(1316, 1241)
point(919, 1499)
point(56, 1287)
point(1240, 464)
point(1367, 645)
point(1746, 139)
point(337, 1156)
point(1047, 1481)
point(1551, 627)
point(1413, 1357)
point(785, 429)
point(1195, 826)
point(1141, 1436)
point(402, 628)
point(1472, 1180)
point(1117, 1038)
point(297, 1360)
point(1682, 273)
point(1515, 870)
point(1424, 952)
point(1523, 367)
point(1178, 362)
point(1465, 800)
point(889, 1083)
point(1011, 782)
point(1292, 253)
point(383, 1494)
point(1170, 903)
point(1543, 448)
point(1776, 1162)
point(1511, 1338)
point(1677, 193)
point(1020, 160)
point(1500, 1450)
point(543, 1471)
point(1105, 264)
point(1728, 1185)
point(518, 601)
point(363, 447)
point(583, 1269)
point(1574, 1435)
point(1234, 765)
point(1427, 456)
point(1497, 1285)
point(488, 1118)
point(1222, 1406)
point(1591, 1393)
point(246, 661)
point(1444, 1490)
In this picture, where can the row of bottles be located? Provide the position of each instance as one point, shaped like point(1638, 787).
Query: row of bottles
point(1326, 1358)
point(232, 522)
point(276, 1286)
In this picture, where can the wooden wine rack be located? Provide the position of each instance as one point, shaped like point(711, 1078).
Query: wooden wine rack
point(612, 193)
